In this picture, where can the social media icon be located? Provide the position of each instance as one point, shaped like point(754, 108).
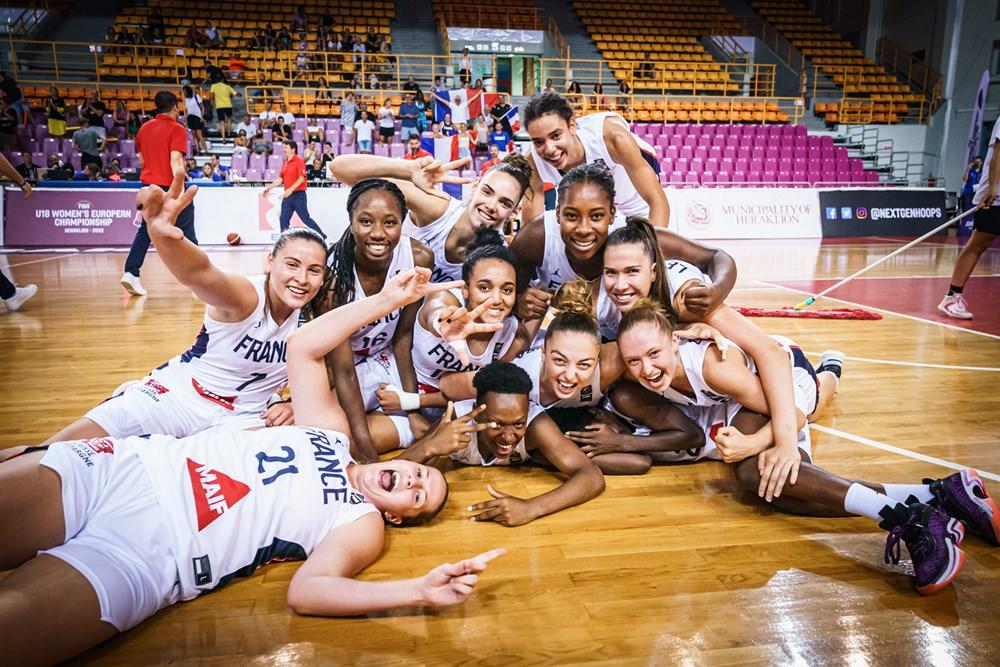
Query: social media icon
point(846, 213)
point(862, 213)
point(831, 212)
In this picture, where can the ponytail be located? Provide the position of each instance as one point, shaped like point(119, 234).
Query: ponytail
point(575, 310)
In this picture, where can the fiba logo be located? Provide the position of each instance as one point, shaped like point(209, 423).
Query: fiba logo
point(698, 215)
point(861, 212)
point(84, 205)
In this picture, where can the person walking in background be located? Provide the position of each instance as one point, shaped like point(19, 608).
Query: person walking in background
point(194, 116)
point(970, 180)
point(222, 100)
point(90, 143)
point(294, 179)
point(13, 296)
point(160, 145)
point(985, 228)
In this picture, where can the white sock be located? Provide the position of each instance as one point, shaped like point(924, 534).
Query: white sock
point(862, 501)
point(901, 492)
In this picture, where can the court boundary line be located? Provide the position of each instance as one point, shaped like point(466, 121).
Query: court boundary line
point(892, 312)
point(875, 444)
point(916, 364)
point(39, 261)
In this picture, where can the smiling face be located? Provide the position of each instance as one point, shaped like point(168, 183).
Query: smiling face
point(650, 355)
point(495, 281)
point(376, 224)
point(555, 141)
point(569, 362)
point(494, 199)
point(584, 213)
point(509, 412)
point(628, 274)
point(296, 272)
point(401, 489)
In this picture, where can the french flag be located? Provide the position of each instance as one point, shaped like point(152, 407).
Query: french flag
point(514, 118)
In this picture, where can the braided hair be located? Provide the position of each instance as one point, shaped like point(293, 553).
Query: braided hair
point(594, 172)
point(488, 244)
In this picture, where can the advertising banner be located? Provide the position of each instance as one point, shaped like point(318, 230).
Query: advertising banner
point(737, 213)
point(106, 217)
point(881, 211)
point(497, 40)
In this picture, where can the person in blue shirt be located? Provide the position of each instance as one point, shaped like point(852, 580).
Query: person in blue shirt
point(499, 137)
point(972, 174)
point(409, 113)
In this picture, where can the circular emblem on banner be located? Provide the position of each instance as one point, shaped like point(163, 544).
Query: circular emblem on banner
point(698, 215)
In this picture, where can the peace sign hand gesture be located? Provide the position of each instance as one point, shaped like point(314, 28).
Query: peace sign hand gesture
point(429, 172)
point(412, 285)
point(160, 209)
point(454, 435)
point(455, 324)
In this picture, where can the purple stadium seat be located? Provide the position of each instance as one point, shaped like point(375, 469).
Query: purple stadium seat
point(676, 178)
point(722, 178)
point(701, 153)
point(348, 149)
point(784, 177)
point(270, 174)
point(39, 159)
point(257, 163)
point(769, 177)
point(754, 177)
point(299, 136)
point(715, 152)
point(871, 177)
point(655, 131)
point(800, 178)
point(382, 150)
point(682, 164)
point(252, 175)
point(739, 177)
point(74, 159)
point(690, 141)
point(240, 161)
point(686, 152)
point(41, 132)
point(692, 178)
point(276, 161)
point(671, 153)
point(397, 150)
point(666, 166)
point(741, 164)
point(662, 142)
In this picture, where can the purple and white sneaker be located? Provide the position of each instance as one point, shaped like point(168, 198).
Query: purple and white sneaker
point(932, 538)
point(964, 496)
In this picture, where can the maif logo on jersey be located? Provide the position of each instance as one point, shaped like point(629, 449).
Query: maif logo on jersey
point(214, 492)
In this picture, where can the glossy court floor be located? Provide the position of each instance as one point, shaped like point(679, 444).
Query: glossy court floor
point(668, 568)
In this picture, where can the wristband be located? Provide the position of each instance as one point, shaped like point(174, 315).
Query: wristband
point(408, 401)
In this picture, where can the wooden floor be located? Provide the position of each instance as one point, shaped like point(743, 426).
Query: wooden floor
point(669, 568)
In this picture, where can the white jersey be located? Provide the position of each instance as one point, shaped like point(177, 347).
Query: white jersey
point(235, 500)
point(590, 132)
point(472, 456)
point(377, 336)
point(432, 356)
point(531, 362)
point(435, 236)
point(238, 365)
point(678, 274)
point(984, 180)
point(555, 269)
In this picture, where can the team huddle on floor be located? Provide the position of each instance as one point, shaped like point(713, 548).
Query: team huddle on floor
point(592, 342)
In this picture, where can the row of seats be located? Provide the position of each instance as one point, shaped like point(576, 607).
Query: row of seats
point(513, 14)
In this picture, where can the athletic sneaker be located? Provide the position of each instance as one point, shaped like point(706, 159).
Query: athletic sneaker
point(133, 285)
point(954, 305)
point(963, 496)
point(831, 361)
point(932, 538)
point(21, 294)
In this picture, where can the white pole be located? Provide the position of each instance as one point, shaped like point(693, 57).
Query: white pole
point(812, 299)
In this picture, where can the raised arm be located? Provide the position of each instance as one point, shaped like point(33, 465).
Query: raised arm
point(325, 586)
point(625, 151)
point(231, 298)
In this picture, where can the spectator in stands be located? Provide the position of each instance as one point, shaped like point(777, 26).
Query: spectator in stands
point(281, 130)
point(325, 26)
point(299, 19)
point(15, 100)
point(195, 38)
point(55, 108)
point(309, 153)
point(288, 116)
point(500, 138)
point(573, 88)
point(119, 117)
point(478, 85)
point(411, 84)
point(438, 86)
point(463, 143)
point(113, 172)
point(237, 66)
point(973, 172)
point(220, 172)
point(436, 130)
point(203, 175)
point(624, 95)
point(90, 143)
point(57, 170)
point(134, 123)
point(408, 114)
point(598, 100)
point(348, 110)
point(358, 48)
point(222, 100)
point(194, 117)
point(283, 41)
point(447, 128)
point(421, 105)
point(364, 128)
point(480, 131)
point(314, 131)
point(267, 117)
point(8, 127)
point(93, 109)
point(241, 143)
point(323, 93)
point(494, 160)
point(260, 145)
point(90, 172)
point(213, 73)
point(373, 82)
point(247, 126)
point(270, 37)
point(27, 168)
point(498, 112)
point(549, 88)
point(327, 155)
point(214, 36)
point(111, 37)
point(302, 58)
point(191, 167)
point(317, 169)
point(465, 67)
point(414, 151)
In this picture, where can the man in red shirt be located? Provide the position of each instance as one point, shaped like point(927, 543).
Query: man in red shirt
point(414, 151)
point(160, 146)
point(293, 179)
point(493, 161)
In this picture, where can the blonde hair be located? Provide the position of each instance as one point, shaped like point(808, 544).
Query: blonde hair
point(574, 310)
point(649, 311)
